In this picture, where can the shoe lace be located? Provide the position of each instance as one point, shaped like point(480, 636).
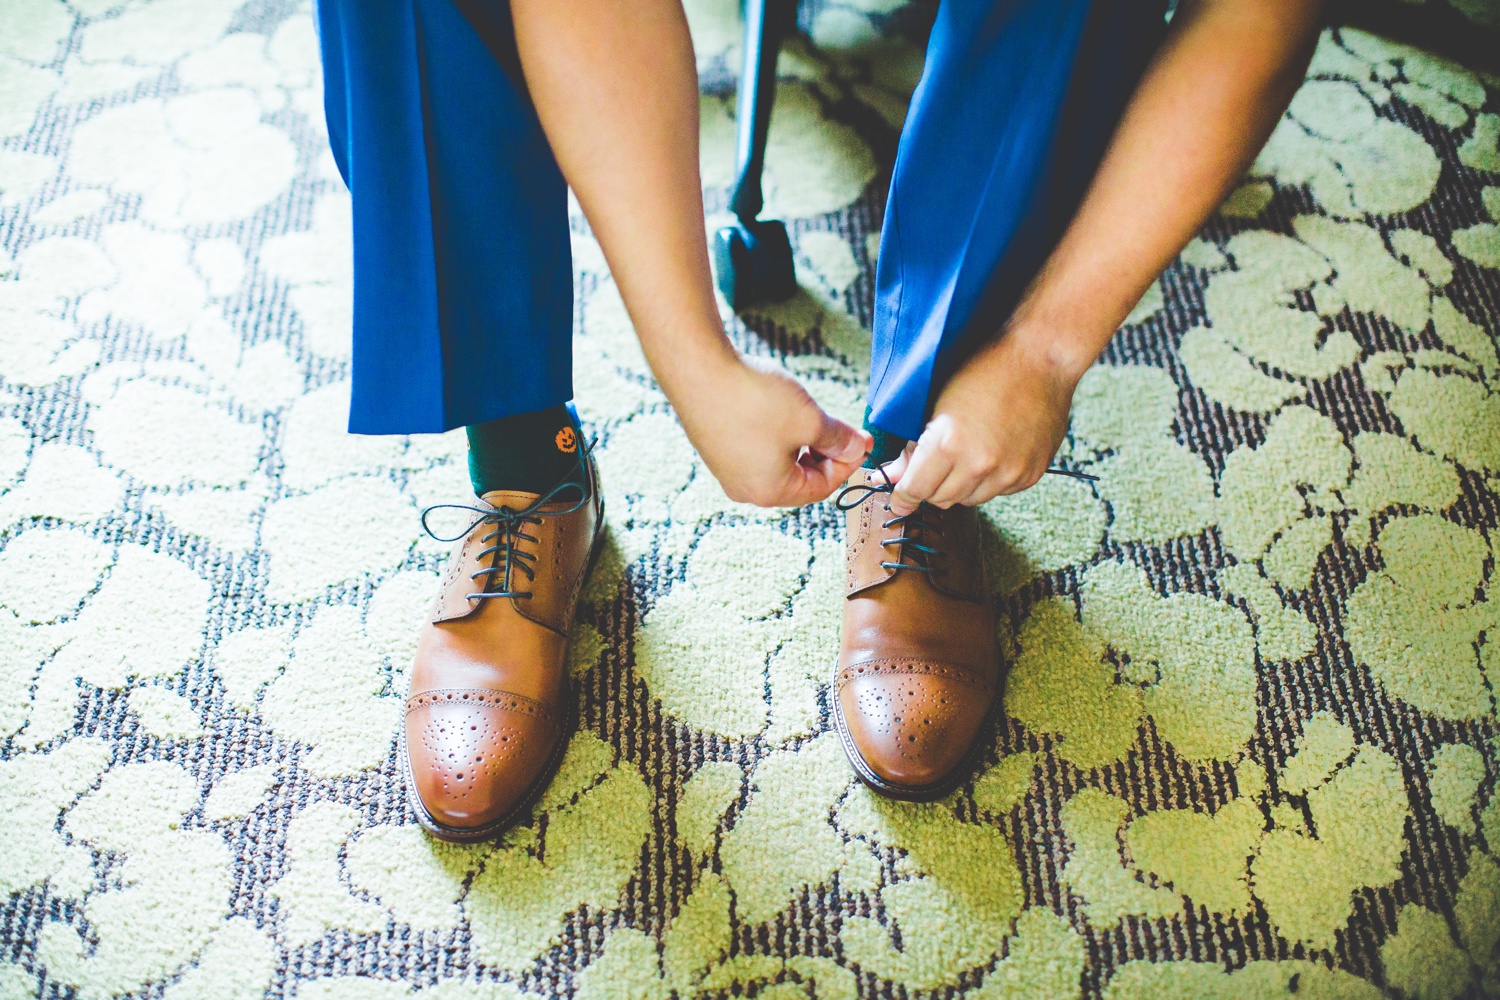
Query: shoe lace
point(510, 529)
point(913, 523)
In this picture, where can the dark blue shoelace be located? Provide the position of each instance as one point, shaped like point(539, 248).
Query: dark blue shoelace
point(913, 522)
point(510, 528)
point(865, 490)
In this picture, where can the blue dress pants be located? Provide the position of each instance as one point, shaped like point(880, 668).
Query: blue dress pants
point(462, 272)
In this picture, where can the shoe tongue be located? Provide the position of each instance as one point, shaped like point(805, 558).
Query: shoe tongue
point(514, 499)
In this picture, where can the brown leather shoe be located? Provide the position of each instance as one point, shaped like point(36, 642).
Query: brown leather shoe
point(918, 661)
point(489, 712)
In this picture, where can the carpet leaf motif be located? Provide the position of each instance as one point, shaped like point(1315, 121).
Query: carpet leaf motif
point(1250, 668)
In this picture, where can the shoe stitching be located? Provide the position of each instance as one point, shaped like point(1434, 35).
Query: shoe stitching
point(503, 700)
point(906, 667)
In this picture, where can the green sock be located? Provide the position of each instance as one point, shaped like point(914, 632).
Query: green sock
point(529, 453)
point(887, 446)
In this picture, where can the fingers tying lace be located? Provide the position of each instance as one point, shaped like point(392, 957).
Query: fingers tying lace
point(914, 529)
point(863, 491)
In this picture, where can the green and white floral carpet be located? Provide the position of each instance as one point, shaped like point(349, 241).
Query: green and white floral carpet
point(1250, 739)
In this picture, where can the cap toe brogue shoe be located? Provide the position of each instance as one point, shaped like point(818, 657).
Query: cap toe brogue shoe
point(489, 710)
point(919, 665)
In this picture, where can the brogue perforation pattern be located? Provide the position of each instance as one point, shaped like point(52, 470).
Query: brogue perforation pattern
point(857, 544)
point(503, 700)
point(909, 715)
point(902, 667)
point(468, 751)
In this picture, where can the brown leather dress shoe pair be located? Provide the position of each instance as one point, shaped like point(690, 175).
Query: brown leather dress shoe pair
point(919, 665)
point(489, 711)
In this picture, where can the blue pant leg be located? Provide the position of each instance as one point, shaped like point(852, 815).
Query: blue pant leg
point(463, 301)
point(1017, 101)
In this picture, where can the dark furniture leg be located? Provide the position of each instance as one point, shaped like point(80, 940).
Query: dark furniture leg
point(754, 257)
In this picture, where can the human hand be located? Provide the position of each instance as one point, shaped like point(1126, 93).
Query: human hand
point(994, 429)
point(765, 439)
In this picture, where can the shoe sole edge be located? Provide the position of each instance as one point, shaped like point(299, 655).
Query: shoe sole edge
point(908, 793)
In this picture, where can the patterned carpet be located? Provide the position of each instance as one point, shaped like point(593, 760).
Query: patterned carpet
point(1250, 739)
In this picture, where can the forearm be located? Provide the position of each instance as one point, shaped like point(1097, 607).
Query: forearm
point(1203, 109)
point(616, 88)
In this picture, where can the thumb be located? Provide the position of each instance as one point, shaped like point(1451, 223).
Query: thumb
point(839, 441)
point(922, 471)
point(816, 481)
point(896, 468)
